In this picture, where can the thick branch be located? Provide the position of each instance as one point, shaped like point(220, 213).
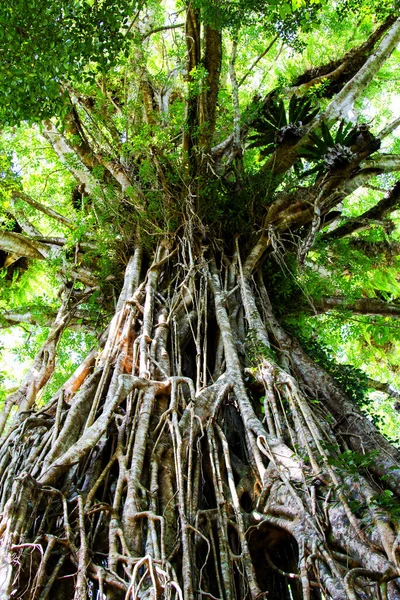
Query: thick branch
point(18, 245)
point(163, 28)
point(381, 163)
point(389, 128)
point(41, 370)
point(41, 208)
point(81, 145)
point(294, 209)
point(362, 306)
point(27, 318)
point(41, 319)
point(345, 99)
point(286, 155)
point(384, 162)
point(386, 388)
point(378, 212)
point(85, 150)
point(212, 63)
point(193, 57)
point(338, 72)
point(235, 97)
point(69, 157)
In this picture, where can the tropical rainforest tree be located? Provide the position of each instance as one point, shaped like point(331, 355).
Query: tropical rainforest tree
point(198, 233)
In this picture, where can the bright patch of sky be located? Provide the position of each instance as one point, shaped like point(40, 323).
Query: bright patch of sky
point(11, 367)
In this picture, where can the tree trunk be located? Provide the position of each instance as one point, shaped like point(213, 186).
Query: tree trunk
point(199, 452)
point(203, 455)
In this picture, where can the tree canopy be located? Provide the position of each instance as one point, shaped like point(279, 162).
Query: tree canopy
point(116, 80)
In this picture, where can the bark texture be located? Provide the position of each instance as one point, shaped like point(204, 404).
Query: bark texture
point(193, 460)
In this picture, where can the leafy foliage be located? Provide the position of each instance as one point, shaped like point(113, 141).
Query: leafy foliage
point(388, 502)
point(353, 381)
point(72, 349)
point(45, 44)
point(353, 461)
point(286, 17)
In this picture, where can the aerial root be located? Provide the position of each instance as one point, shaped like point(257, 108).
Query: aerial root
point(160, 478)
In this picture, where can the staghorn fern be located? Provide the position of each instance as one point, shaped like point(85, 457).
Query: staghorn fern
point(275, 125)
point(330, 149)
